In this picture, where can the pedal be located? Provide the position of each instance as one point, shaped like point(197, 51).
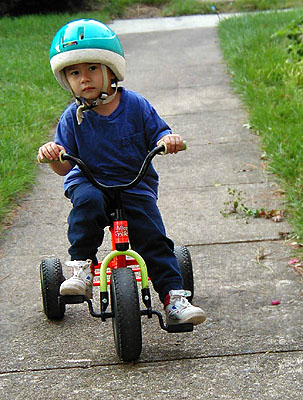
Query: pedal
point(71, 299)
point(180, 328)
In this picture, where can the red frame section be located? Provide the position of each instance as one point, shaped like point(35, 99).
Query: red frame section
point(119, 234)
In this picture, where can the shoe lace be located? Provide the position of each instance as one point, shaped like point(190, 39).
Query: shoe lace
point(77, 272)
point(180, 301)
point(78, 267)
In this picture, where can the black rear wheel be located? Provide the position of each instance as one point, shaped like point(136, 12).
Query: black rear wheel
point(127, 317)
point(51, 276)
point(184, 260)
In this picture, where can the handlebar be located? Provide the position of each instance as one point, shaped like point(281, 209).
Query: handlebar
point(157, 150)
point(161, 149)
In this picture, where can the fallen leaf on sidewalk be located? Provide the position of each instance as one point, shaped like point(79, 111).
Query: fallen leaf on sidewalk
point(293, 261)
point(297, 266)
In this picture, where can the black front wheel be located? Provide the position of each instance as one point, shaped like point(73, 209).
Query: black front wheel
point(51, 276)
point(127, 316)
point(186, 267)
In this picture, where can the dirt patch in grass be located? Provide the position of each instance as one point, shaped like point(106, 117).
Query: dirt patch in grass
point(143, 11)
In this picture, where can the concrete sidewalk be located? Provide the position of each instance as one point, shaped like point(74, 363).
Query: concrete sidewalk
point(247, 348)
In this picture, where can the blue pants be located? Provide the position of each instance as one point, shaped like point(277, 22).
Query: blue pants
point(90, 215)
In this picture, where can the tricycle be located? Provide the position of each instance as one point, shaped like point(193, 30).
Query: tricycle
point(120, 270)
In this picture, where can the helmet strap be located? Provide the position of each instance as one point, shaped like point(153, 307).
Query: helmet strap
point(104, 97)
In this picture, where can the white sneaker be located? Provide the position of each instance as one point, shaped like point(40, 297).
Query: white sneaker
point(179, 310)
point(81, 283)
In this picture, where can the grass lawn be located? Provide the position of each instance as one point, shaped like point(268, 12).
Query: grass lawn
point(267, 72)
point(164, 8)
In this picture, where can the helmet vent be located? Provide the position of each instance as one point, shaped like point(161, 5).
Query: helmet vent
point(80, 33)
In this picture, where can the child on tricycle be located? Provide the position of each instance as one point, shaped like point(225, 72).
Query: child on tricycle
point(111, 129)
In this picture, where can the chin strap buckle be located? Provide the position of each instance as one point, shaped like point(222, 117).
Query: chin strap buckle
point(103, 96)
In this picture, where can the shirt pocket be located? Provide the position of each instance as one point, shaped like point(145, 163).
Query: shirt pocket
point(134, 145)
point(134, 139)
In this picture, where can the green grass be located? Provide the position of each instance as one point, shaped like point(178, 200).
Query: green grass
point(117, 8)
point(269, 81)
point(256, 5)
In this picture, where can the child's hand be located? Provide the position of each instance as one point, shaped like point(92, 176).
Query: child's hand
point(50, 151)
point(174, 143)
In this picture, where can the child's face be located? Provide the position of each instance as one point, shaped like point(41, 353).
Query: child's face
point(85, 79)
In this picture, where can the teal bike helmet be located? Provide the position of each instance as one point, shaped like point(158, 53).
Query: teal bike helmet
point(87, 41)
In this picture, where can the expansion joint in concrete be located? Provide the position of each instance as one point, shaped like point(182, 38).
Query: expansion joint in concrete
point(273, 239)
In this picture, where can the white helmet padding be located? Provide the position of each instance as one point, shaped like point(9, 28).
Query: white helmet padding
point(112, 60)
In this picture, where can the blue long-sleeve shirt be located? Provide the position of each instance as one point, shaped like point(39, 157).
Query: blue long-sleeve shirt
point(114, 146)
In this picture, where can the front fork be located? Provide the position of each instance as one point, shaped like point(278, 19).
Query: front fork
point(117, 258)
point(104, 298)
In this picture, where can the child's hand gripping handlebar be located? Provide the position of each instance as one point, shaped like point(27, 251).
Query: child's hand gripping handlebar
point(184, 147)
point(46, 160)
